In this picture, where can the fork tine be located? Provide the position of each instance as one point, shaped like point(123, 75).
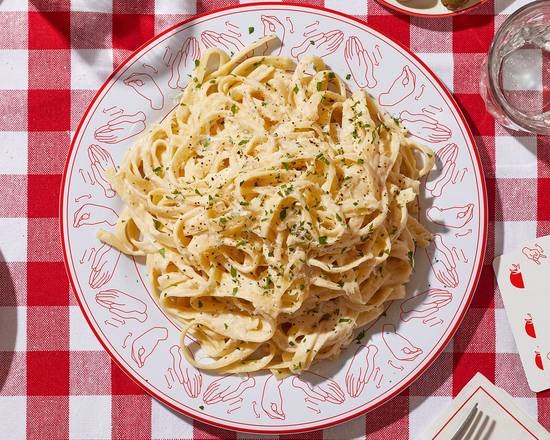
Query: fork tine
point(474, 425)
point(490, 430)
point(465, 424)
point(482, 427)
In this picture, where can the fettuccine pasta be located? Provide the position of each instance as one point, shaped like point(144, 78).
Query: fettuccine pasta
point(277, 214)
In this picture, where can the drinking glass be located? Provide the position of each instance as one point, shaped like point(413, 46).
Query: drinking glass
point(515, 77)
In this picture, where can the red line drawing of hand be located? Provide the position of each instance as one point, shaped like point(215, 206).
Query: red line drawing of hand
point(228, 390)
point(425, 304)
point(273, 26)
point(122, 304)
point(393, 365)
point(129, 335)
point(87, 256)
point(272, 399)
point(145, 86)
point(254, 410)
point(402, 87)
point(92, 214)
point(443, 263)
point(447, 156)
point(146, 343)
point(100, 161)
point(361, 369)
point(453, 217)
point(115, 322)
point(400, 347)
point(227, 41)
point(432, 322)
point(378, 377)
point(103, 267)
point(328, 391)
point(189, 377)
point(120, 128)
point(87, 178)
point(321, 44)
point(536, 254)
point(424, 127)
point(362, 63)
point(83, 196)
point(420, 93)
point(183, 62)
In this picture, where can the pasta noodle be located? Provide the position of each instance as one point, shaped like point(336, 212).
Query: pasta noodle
point(277, 214)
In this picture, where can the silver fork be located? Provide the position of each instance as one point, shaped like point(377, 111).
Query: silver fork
point(476, 426)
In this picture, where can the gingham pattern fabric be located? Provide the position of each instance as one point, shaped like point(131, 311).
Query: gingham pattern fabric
point(55, 380)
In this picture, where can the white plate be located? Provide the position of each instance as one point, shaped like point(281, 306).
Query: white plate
point(397, 347)
point(428, 8)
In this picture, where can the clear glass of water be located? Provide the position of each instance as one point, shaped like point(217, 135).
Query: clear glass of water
point(515, 77)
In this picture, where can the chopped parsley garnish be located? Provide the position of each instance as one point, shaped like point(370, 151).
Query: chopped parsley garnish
point(158, 224)
point(348, 76)
point(282, 214)
point(319, 85)
point(360, 336)
point(206, 142)
point(331, 75)
point(251, 30)
point(322, 158)
point(322, 239)
point(225, 325)
point(295, 89)
point(244, 141)
point(360, 161)
point(235, 290)
point(197, 62)
point(223, 220)
point(162, 252)
point(312, 42)
point(201, 407)
point(233, 272)
point(234, 108)
point(198, 192)
point(292, 344)
point(410, 255)
point(344, 320)
point(158, 171)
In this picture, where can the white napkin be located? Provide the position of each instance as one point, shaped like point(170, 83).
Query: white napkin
point(501, 416)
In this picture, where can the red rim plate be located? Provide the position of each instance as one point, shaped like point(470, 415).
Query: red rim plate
point(469, 296)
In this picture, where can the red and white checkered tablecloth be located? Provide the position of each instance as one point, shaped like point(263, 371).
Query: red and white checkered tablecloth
point(55, 380)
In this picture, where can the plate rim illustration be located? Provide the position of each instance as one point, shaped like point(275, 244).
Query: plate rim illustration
point(468, 296)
